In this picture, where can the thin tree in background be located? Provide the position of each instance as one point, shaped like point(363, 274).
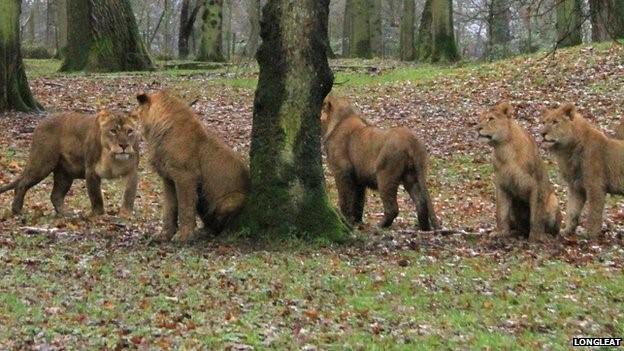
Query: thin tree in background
point(499, 34)
point(61, 28)
point(408, 28)
point(288, 197)
point(376, 28)
point(103, 36)
point(347, 28)
point(607, 18)
point(569, 22)
point(436, 35)
point(254, 35)
point(211, 45)
point(14, 90)
point(188, 16)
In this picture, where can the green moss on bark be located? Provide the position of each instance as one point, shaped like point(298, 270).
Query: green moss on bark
point(288, 197)
point(211, 45)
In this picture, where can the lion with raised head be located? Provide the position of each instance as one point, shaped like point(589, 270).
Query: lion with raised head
point(74, 146)
point(201, 174)
point(526, 203)
point(362, 156)
point(591, 164)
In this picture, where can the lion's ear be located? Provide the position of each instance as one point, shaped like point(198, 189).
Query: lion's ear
point(569, 110)
point(506, 109)
point(143, 99)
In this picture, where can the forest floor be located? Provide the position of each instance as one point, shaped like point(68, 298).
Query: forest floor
point(84, 283)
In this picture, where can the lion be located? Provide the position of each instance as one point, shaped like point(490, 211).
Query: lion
point(526, 203)
point(619, 131)
point(201, 174)
point(75, 146)
point(362, 156)
point(591, 164)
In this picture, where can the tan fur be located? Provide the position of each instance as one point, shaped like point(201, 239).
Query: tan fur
point(73, 146)
point(201, 174)
point(526, 203)
point(619, 131)
point(591, 164)
point(362, 156)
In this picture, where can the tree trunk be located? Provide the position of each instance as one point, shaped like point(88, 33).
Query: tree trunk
point(347, 29)
point(360, 42)
point(288, 196)
point(188, 16)
point(227, 42)
point(103, 37)
point(607, 19)
point(498, 29)
point(407, 30)
point(436, 37)
point(569, 22)
point(14, 91)
point(61, 25)
point(376, 28)
point(254, 35)
point(211, 45)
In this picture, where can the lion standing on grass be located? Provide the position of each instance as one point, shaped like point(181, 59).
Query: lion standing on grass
point(591, 164)
point(200, 173)
point(526, 203)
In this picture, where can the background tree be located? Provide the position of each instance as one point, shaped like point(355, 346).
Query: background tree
point(569, 22)
point(211, 46)
point(103, 36)
point(61, 24)
point(436, 35)
point(360, 34)
point(407, 30)
point(188, 16)
point(347, 28)
point(607, 18)
point(288, 189)
point(498, 29)
point(254, 33)
point(14, 90)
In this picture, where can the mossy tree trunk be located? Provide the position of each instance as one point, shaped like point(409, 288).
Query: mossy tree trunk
point(211, 46)
point(103, 37)
point(347, 29)
point(407, 30)
point(288, 197)
point(569, 22)
point(360, 41)
point(14, 91)
point(499, 35)
point(376, 28)
point(436, 35)
point(607, 18)
point(61, 25)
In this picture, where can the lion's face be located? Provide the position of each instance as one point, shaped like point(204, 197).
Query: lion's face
point(118, 134)
point(494, 125)
point(559, 126)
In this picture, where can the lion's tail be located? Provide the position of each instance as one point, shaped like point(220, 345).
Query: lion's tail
point(10, 186)
point(419, 191)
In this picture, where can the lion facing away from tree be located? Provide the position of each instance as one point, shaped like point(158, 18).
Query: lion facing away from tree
point(200, 173)
point(526, 203)
point(591, 164)
point(362, 156)
point(74, 146)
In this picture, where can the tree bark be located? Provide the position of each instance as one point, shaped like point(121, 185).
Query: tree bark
point(188, 17)
point(211, 45)
point(103, 37)
point(61, 25)
point(499, 17)
point(288, 197)
point(347, 29)
point(14, 91)
point(436, 37)
point(376, 28)
point(569, 21)
point(361, 45)
point(408, 28)
point(254, 35)
point(607, 19)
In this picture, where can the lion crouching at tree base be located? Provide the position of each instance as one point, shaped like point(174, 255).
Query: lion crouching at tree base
point(591, 164)
point(526, 203)
point(362, 156)
point(74, 146)
point(200, 173)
